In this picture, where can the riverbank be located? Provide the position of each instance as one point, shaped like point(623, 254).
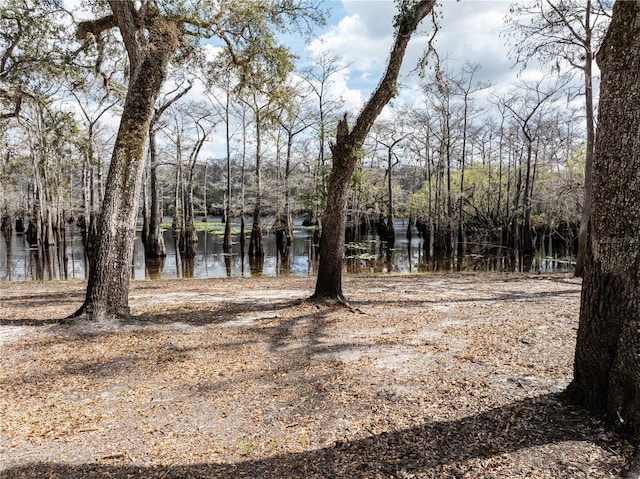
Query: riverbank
point(440, 375)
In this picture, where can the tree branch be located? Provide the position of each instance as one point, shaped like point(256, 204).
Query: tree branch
point(91, 29)
point(406, 22)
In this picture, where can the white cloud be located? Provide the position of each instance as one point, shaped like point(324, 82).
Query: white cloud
point(469, 31)
point(352, 40)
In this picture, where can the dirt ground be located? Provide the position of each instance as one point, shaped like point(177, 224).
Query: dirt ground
point(430, 376)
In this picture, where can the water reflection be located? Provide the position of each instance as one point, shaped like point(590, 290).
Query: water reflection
point(19, 261)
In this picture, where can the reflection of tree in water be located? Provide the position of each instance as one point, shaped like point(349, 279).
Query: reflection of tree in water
point(188, 266)
point(256, 264)
point(227, 263)
point(67, 258)
point(154, 267)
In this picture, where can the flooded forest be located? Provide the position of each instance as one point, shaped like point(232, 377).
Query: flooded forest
point(456, 175)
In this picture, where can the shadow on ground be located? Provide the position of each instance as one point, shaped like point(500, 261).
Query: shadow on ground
point(432, 449)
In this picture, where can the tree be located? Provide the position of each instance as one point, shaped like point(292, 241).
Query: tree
point(393, 138)
point(263, 108)
point(345, 153)
point(446, 118)
point(319, 77)
point(154, 246)
point(202, 126)
point(222, 79)
point(32, 45)
point(607, 359)
point(34, 61)
point(293, 119)
point(94, 102)
point(152, 33)
point(568, 31)
point(527, 111)
point(466, 88)
point(150, 40)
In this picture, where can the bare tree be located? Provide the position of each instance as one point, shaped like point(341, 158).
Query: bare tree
point(527, 112)
point(294, 118)
point(154, 246)
point(552, 32)
point(319, 77)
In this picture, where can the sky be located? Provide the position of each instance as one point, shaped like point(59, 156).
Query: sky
point(361, 33)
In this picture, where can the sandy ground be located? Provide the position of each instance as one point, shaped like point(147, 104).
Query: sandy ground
point(431, 376)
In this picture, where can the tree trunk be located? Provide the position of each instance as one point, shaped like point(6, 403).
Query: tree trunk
point(345, 156)
point(242, 196)
point(391, 232)
point(607, 360)
point(256, 241)
point(189, 237)
point(588, 161)
point(108, 283)
point(227, 241)
point(154, 246)
point(329, 280)
point(144, 234)
point(528, 249)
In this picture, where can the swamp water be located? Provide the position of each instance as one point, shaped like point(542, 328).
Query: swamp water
point(20, 262)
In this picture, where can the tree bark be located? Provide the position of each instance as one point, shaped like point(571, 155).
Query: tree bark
point(345, 156)
point(607, 359)
point(151, 41)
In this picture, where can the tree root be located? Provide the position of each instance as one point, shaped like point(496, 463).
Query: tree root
point(86, 315)
point(332, 301)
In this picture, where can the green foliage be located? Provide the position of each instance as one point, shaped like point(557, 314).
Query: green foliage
point(359, 250)
point(357, 246)
point(248, 30)
point(407, 13)
point(34, 50)
point(212, 227)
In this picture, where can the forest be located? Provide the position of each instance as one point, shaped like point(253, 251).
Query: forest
point(476, 171)
point(202, 117)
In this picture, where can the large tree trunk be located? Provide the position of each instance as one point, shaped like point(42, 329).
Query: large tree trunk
point(329, 280)
point(345, 156)
point(607, 360)
point(108, 283)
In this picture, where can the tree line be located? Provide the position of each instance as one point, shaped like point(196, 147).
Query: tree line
point(476, 170)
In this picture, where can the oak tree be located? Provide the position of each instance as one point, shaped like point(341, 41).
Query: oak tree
point(153, 32)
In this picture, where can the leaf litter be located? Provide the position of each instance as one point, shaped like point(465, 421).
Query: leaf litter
point(443, 376)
